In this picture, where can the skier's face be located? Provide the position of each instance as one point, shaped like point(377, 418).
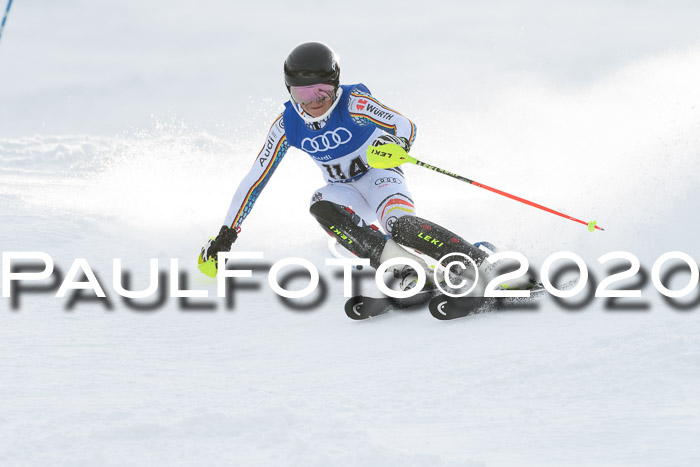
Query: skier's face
point(316, 109)
point(315, 99)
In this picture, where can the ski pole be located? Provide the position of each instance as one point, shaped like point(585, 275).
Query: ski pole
point(4, 18)
point(391, 155)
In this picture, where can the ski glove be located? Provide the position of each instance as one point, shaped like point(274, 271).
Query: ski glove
point(389, 139)
point(221, 242)
point(208, 262)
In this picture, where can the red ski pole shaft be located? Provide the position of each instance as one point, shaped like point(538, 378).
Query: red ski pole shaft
point(503, 193)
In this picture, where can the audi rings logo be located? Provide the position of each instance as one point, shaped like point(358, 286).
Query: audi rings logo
point(326, 141)
point(384, 180)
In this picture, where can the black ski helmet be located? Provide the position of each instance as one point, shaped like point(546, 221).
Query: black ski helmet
point(311, 63)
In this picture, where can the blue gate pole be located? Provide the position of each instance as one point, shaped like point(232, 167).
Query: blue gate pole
point(4, 18)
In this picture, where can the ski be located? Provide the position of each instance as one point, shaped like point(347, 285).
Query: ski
point(443, 307)
point(361, 307)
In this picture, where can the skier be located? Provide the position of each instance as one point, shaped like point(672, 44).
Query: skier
point(334, 124)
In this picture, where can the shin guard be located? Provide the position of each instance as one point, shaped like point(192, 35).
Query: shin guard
point(350, 230)
point(433, 240)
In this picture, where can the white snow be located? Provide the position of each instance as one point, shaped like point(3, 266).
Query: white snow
point(126, 126)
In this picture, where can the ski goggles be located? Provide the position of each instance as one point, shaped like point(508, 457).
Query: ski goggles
point(309, 94)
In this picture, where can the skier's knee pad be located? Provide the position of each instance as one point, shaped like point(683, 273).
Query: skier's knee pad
point(350, 230)
point(432, 239)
